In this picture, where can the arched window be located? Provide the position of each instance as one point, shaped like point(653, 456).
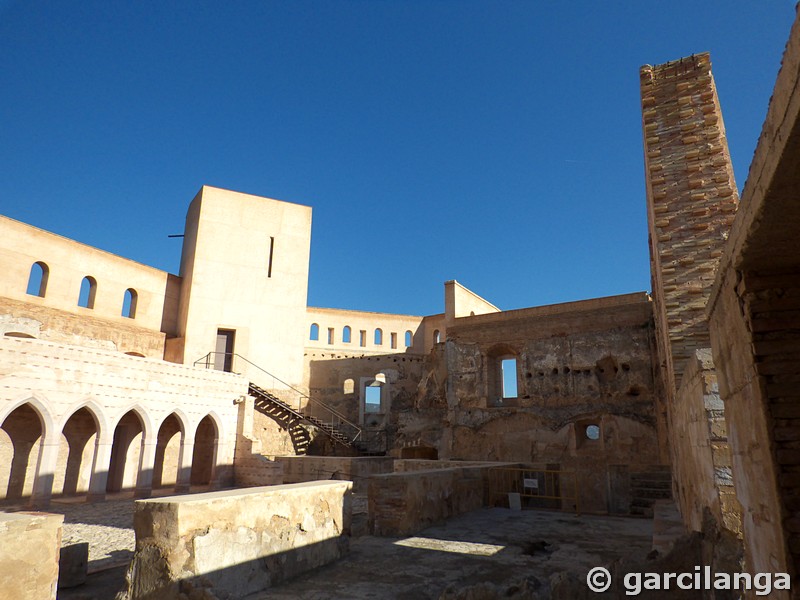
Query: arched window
point(314, 335)
point(349, 386)
point(88, 291)
point(129, 303)
point(437, 337)
point(409, 338)
point(378, 337)
point(37, 281)
point(346, 334)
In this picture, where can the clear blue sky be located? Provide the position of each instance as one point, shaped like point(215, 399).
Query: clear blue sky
point(493, 142)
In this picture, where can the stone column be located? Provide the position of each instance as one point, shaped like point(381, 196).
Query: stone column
point(147, 461)
point(100, 469)
point(45, 471)
point(183, 482)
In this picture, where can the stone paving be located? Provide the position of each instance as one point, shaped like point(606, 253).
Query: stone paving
point(495, 546)
point(107, 526)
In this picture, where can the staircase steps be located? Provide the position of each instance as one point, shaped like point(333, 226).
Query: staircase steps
point(649, 486)
point(272, 406)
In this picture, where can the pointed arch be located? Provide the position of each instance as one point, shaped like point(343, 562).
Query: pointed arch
point(77, 448)
point(45, 418)
point(169, 441)
point(23, 431)
point(206, 446)
point(130, 431)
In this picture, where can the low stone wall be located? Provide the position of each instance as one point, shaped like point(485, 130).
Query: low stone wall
point(232, 543)
point(404, 465)
point(406, 502)
point(355, 469)
point(29, 548)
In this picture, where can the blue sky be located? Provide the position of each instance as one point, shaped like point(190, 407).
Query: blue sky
point(496, 142)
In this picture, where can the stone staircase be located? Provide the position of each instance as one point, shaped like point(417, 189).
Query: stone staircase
point(648, 485)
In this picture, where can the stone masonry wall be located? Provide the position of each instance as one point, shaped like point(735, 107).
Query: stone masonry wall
point(29, 551)
point(702, 467)
point(691, 202)
point(233, 543)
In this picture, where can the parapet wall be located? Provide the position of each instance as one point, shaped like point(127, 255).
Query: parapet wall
point(356, 469)
point(406, 502)
point(234, 543)
point(29, 550)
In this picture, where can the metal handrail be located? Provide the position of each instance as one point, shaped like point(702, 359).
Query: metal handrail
point(207, 360)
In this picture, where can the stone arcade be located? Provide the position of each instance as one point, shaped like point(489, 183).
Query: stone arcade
point(117, 377)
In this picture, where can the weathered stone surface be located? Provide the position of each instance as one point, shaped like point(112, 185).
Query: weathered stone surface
point(234, 543)
point(403, 503)
point(29, 551)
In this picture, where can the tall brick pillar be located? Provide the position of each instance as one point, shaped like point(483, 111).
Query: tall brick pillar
point(691, 202)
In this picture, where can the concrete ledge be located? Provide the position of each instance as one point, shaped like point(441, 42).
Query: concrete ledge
point(29, 551)
point(232, 543)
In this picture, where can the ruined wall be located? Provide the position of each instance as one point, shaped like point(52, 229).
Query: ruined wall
point(404, 503)
point(582, 368)
point(339, 380)
point(703, 465)
point(234, 543)
point(691, 201)
point(358, 469)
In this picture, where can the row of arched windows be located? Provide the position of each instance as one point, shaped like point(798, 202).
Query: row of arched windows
point(37, 286)
point(347, 336)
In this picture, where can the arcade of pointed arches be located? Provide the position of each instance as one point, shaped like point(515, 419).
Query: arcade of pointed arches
point(89, 454)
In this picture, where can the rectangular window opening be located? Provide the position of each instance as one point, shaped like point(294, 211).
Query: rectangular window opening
point(362, 338)
point(271, 249)
point(509, 368)
point(330, 335)
point(394, 340)
point(372, 399)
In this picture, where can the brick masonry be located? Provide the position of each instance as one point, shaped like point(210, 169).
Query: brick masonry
point(691, 201)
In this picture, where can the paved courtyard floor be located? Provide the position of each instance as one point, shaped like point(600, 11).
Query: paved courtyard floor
point(495, 546)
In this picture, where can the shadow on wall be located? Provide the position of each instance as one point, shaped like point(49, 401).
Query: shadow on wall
point(151, 580)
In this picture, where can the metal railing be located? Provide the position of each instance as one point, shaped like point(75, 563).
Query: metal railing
point(306, 405)
point(537, 488)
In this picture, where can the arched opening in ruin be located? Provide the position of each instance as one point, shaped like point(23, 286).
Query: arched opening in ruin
point(76, 454)
point(168, 453)
point(20, 439)
point(346, 334)
point(204, 457)
point(126, 451)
